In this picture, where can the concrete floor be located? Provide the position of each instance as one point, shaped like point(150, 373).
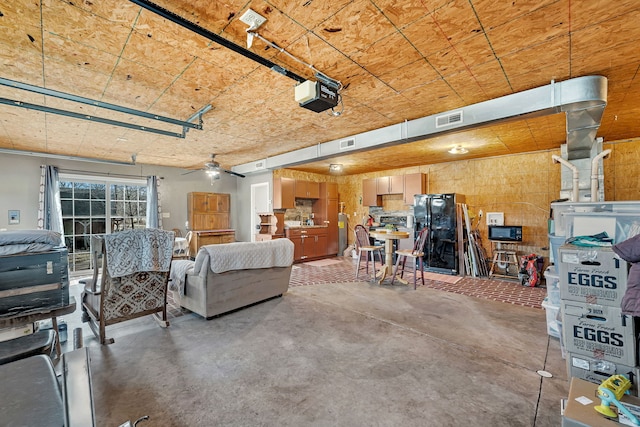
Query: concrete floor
point(335, 354)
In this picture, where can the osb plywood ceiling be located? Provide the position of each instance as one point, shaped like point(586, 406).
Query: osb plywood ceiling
point(397, 60)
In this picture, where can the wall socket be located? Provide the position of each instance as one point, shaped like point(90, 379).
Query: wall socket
point(253, 19)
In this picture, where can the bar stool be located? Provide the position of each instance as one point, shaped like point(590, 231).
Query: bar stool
point(364, 246)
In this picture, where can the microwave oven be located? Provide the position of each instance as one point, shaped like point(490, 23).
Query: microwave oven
point(505, 233)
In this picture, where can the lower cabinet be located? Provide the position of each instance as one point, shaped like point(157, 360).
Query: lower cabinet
point(308, 243)
point(209, 237)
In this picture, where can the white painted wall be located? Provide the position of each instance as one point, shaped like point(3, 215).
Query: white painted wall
point(20, 181)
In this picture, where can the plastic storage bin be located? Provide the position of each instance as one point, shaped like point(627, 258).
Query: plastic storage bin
point(555, 242)
point(553, 285)
point(553, 328)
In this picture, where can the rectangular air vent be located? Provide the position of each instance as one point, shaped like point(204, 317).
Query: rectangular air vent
point(347, 143)
point(449, 119)
point(259, 165)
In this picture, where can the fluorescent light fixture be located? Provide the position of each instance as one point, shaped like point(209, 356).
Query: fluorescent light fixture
point(335, 167)
point(458, 149)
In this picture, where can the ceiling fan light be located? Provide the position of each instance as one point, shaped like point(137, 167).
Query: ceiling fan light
point(458, 149)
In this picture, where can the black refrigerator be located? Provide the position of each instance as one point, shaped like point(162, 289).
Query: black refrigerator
point(438, 213)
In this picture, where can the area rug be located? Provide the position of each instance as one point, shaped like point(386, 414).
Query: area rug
point(323, 262)
point(442, 277)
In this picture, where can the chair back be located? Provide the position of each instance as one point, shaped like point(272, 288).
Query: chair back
point(362, 236)
point(418, 246)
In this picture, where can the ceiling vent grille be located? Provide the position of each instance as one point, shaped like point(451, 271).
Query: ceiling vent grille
point(259, 165)
point(347, 144)
point(449, 119)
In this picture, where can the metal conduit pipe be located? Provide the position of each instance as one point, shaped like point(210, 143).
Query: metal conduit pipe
point(594, 173)
point(575, 190)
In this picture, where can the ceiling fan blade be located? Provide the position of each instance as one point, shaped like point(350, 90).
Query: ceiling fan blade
point(234, 173)
point(191, 171)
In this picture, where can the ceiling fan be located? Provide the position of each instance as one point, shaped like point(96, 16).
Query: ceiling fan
point(213, 169)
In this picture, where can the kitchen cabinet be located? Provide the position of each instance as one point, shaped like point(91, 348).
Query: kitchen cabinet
point(390, 185)
point(326, 213)
point(414, 183)
point(284, 193)
point(370, 192)
point(307, 189)
point(208, 211)
point(308, 243)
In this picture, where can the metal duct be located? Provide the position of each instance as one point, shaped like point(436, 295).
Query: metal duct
point(583, 100)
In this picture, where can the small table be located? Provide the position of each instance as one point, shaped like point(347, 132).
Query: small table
point(388, 238)
point(44, 313)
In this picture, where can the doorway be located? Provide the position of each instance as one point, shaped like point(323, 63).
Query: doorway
point(259, 204)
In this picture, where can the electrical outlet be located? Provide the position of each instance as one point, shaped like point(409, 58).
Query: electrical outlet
point(253, 19)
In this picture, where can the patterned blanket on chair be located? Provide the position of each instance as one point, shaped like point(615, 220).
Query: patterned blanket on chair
point(131, 251)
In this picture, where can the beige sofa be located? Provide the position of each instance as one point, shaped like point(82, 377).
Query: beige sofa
point(230, 276)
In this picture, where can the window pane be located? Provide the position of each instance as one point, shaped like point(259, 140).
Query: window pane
point(131, 209)
point(117, 192)
point(143, 193)
point(81, 190)
point(66, 190)
point(67, 207)
point(67, 226)
point(98, 191)
point(68, 241)
point(81, 208)
point(98, 208)
point(117, 208)
point(98, 226)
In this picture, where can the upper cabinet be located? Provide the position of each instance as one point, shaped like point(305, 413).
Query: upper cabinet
point(307, 189)
point(407, 185)
point(390, 185)
point(369, 192)
point(284, 193)
point(208, 211)
point(414, 183)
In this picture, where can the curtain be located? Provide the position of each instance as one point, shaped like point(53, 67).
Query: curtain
point(154, 219)
point(50, 208)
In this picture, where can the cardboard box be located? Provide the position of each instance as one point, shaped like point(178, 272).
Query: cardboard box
point(33, 281)
point(597, 370)
point(579, 410)
point(595, 275)
point(599, 331)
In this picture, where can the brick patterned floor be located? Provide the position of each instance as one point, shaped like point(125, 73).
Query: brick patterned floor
point(496, 289)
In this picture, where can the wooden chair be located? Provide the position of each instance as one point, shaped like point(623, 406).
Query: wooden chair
point(133, 280)
point(415, 254)
point(364, 247)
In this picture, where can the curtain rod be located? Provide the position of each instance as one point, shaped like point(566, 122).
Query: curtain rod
point(104, 174)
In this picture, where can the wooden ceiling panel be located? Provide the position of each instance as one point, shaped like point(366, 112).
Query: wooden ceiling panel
point(387, 55)
point(311, 13)
point(81, 26)
point(553, 54)
point(531, 29)
point(403, 13)
point(355, 27)
point(411, 75)
point(396, 60)
point(493, 13)
point(458, 21)
point(586, 14)
point(426, 36)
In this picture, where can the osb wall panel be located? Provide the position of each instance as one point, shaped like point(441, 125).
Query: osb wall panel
point(521, 186)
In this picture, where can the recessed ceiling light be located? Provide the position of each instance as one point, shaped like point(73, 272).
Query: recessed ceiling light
point(458, 149)
point(335, 167)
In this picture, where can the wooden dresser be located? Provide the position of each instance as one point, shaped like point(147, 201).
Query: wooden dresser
point(210, 237)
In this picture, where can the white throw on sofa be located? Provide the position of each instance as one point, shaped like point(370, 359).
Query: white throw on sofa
point(232, 275)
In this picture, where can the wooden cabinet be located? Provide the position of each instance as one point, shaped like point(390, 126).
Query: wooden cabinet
point(369, 192)
point(271, 226)
point(308, 243)
point(284, 193)
point(326, 213)
point(414, 183)
point(208, 211)
point(209, 237)
point(307, 189)
point(390, 185)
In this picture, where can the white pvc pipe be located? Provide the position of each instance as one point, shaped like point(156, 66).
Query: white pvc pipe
point(575, 190)
point(594, 173)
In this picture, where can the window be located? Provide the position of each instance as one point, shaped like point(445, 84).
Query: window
point(95, 206)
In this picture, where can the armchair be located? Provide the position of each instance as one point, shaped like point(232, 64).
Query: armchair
point(133, 280)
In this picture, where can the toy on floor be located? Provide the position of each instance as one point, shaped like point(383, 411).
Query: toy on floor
point(529, 273)
point(610, 392)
